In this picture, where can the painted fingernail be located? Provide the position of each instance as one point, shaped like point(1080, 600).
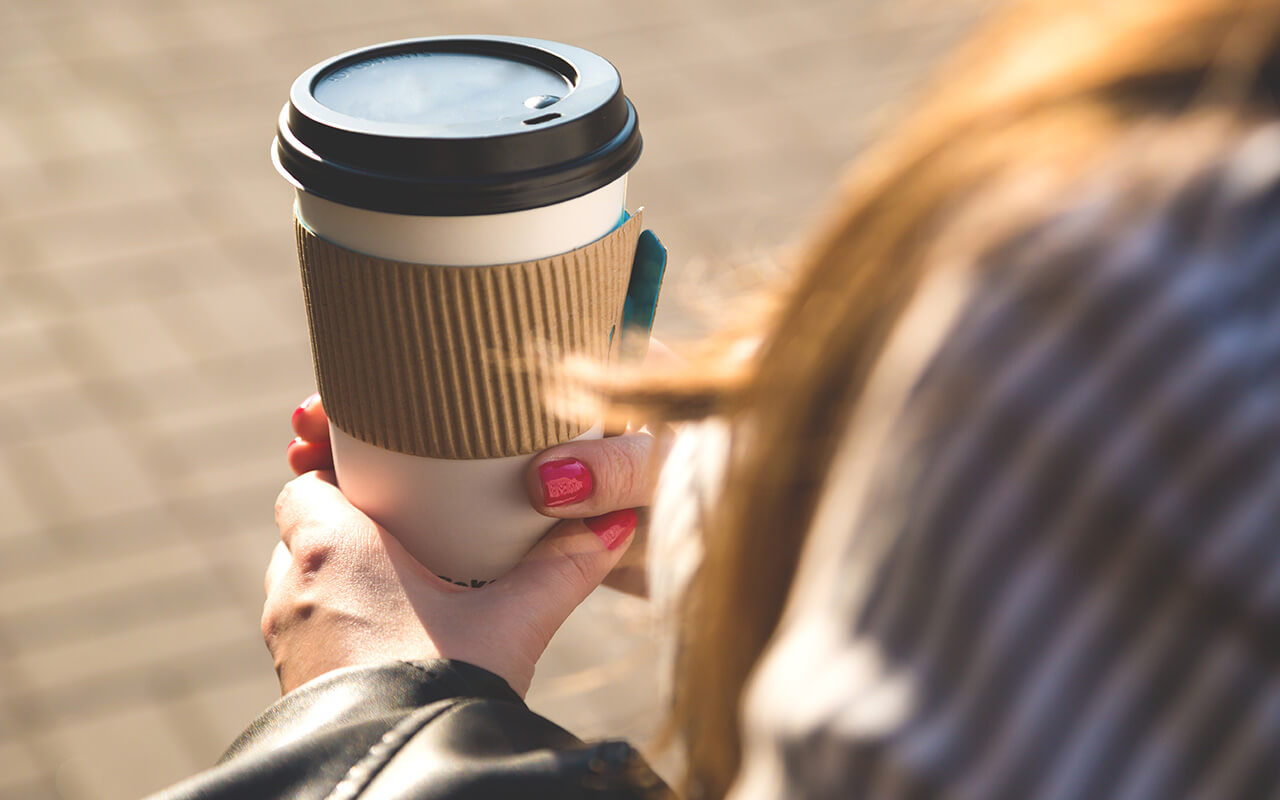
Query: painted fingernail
point(564, 481)
point(292, 442)
point(303, 406)
point(613, 528)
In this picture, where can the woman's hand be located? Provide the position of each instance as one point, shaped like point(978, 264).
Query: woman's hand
point(569, 481)
point(342, 592)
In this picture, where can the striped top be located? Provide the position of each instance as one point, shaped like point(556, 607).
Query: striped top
point(1047, 563)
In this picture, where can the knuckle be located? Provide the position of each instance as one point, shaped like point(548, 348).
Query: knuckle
point(304, 609)
point(310, 554)
point(625, 462)
point(284, 504)
point(281, 615)
point(573, 569)
point(270, 623)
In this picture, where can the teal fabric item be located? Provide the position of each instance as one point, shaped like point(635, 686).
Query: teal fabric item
point(641, 303)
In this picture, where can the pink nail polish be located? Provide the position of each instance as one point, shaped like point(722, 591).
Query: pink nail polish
point(613, 528)
point(303, 406)
point(294, 441)
point(564, 481)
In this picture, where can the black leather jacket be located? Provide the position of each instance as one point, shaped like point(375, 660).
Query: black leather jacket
point(435, 729)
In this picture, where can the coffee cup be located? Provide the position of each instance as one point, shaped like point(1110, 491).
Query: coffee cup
point(462, 228)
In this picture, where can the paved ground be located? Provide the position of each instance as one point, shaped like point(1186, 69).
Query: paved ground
point(152, 339)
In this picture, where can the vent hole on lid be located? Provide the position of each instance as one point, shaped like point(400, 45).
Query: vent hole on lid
point(541, 119)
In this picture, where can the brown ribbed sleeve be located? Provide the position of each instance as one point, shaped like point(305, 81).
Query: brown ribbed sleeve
point(453, 362)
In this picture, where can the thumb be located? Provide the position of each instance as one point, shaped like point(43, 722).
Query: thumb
point(568, 564)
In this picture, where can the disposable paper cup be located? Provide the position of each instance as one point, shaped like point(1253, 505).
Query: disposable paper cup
point(445, 243)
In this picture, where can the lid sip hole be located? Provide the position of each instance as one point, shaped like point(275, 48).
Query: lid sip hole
point(541, 119)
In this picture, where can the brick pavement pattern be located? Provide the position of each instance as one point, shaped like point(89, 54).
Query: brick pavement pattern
point(153, 343)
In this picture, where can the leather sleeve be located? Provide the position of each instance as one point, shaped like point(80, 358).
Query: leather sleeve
point(431, 730)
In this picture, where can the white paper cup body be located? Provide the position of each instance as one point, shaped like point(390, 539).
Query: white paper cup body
point(464, 519)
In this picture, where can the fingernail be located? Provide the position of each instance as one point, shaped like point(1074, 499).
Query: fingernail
point(613, 528)
point(294, 441)
point(303, 406)
point(564, 481)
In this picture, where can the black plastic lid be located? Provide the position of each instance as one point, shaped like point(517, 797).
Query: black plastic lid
point(457, 125)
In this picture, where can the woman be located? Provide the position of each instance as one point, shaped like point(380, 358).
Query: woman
point(987, 509)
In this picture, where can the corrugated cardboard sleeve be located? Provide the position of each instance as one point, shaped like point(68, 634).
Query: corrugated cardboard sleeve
point(454, 362)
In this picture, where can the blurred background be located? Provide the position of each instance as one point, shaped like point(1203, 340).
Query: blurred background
point(153, 341)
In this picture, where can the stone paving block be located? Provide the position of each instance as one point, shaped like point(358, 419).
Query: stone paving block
point(585, 20)
point(172, 410)
point(143, 603)
point(302, 18)
point(14, 152)
point(167, 560)
point(182, 77)
point(118, 231)
point(18, 520)
point(67, 545)
point(54, 667)
point(238, 111)
point(255, 201)
point(33, 11)
point(236, 559)
point(98, 128)
point(827, 80)
point(90, 128)
point(150, 277)
point(94, 37)
point(111, 36)
point(127, 401)
point(121, 339)
point(632, 49)
point(236, 508)
point(21, 41)
point(31, 362)
point(285, 368)
point(205, 451)
point(214, 717)
point(762, 33)
point(263, 476)
point(36, 415)
point(246, 550)
point(73, 485)
point(221, 662)
point(123, 755)
point(33, 89)
point(220, 321)
point(235, 21)
point(268, 251)
point(19, 772)
point(16, 308)
point(42, 789)
point(76, 187)
point(232, 219)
